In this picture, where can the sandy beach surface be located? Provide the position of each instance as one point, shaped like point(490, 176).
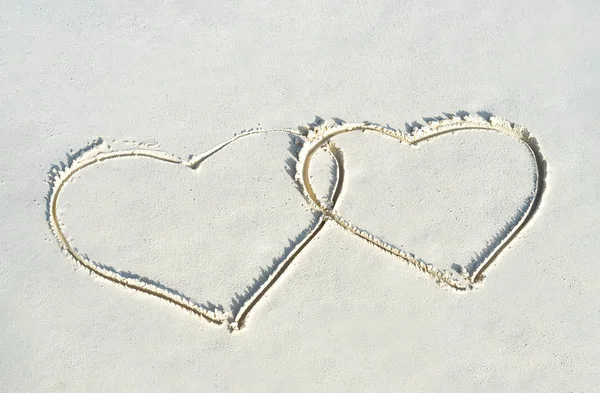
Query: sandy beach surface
point(318, 196)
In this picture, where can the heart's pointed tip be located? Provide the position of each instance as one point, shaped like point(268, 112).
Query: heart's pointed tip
point(234, 326)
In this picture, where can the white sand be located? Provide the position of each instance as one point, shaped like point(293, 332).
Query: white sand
point(345, 316)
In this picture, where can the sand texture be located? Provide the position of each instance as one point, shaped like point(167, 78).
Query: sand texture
point(322, 196)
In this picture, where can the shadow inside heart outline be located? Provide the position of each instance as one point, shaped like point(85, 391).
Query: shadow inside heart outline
point(318, 135)
point(474, 271)
point(98, 152)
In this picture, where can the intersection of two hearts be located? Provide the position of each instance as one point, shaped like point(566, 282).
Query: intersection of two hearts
point(313, 140)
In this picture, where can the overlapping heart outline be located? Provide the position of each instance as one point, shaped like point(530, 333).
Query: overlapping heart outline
point(452, 124)
point(314, 137)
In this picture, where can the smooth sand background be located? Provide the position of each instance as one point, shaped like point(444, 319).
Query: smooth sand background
point(346, 317)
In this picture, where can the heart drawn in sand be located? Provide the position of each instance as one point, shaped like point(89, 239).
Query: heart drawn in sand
point(100, 152)
point(313, 138)
point(467, 277)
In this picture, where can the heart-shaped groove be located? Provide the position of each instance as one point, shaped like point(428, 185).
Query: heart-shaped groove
point(324, 134)
point(315, 136)
point(93, 154)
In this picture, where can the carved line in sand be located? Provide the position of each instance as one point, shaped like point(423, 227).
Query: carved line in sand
point(474, 272)
point(59, 176)
point(315, 137)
